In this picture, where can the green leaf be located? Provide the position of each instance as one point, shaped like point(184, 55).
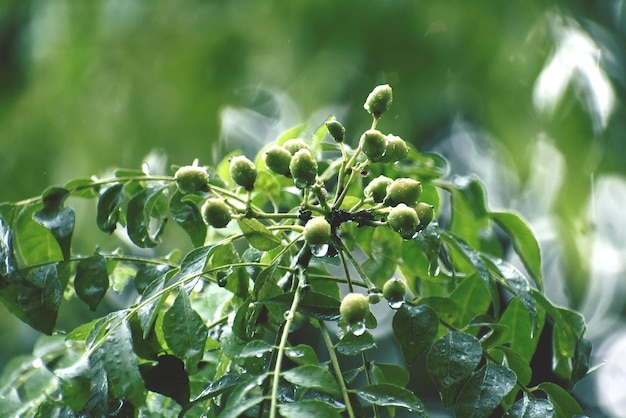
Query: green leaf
point(57, 219)
point(168, 377)
point(390, 373)
point(92, 280)
point(147, 274)
point(569, 327)
point(7, 257)
point(384, 251)
point(471, 256)
point(115, 355)
point(34, 243)
point(302, 354)
point(188, 216)
point(484, 391)
point(426, 166)
point(84, 187)
point(151, 300)
point(256, 348)
point(564, 404)
point(524, 242)
point(531, 408)
point(194, 262)
point(470, 220)
point(185, 331)
point(310, 408)
point(414, 327)
point(138, 216)
point(108, 210)
point(580, 365)
point(513, 280)
point(391, 395)
point(236, 409)
point(518, 364)
point(472, 298)
point(222, 385)
point(258, 235)
point(318, 305)
point(351, 345)
point(313, 377)
point(451, 360)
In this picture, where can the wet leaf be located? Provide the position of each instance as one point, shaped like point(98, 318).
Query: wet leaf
point(168, 377)
point(57, 219)
point(313, 377)
point(484, 391)
point(310, 408)
point(92, 280)
point(138, 218)
point(351, 345)
point(564, 403)
point(391, 395)
point(109, 206)
point(188, 216)
point(531, 408)
point(414, 327)
point(257, 234)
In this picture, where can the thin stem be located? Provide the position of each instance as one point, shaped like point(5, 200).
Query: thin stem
point(281, 350)
point(335, 362)
point(346, 271)
point(368, 376)
point(357, 266)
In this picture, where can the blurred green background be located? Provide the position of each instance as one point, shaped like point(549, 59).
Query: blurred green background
point(537, 85)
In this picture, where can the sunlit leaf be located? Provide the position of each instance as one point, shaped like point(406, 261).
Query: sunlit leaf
point(386, 394)
point(57, 219)
point(185, 331)
point(313, 377)
point(414, 327)
point(524, 242)
point(257, 234)
point(310, 408)
point(34, 244)
point(484, 391)
point(451, 360)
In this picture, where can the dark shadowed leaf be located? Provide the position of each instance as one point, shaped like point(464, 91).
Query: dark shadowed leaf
point(92, 280)
point(391, 395)
point(414, 327)
point(564, 403)
point(484, 391)
point(451, 360)
point(168, 377)
point(57, 219)
point(531, 408)
point(184, 331)
point(147, 274)
point(115, 355)
point(138, 218)
point(221, 385)
point(108, 210)
point(524, 242)
point(188, 216)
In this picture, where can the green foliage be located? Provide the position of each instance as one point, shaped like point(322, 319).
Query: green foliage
point(215, 333)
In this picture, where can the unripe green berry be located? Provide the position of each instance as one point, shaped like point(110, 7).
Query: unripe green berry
point(354, 308)
point(317, 231)
point(303, 168)
point(403, 190)
point(336, 130)
point(394, 289)
point(395, 150)
point(191, 179)
point(373, 144)
point(277, 159)
point(403, 219)
point(243, 172)
point(296, 144)
point(425, 213)
point(379, 100)
point(377, 188)
point(216, 213)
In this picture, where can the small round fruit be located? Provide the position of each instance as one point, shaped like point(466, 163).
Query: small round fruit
point(379, 100)
point(377, 188)
point(395, 150)
point(303, 168)
point(336, 130)
point(317, 231)
point(373, 144)
point(277, 159)
point(354, 308)
point(425, 213)
point(295, 144)
point(216, 213)
point(394, 289)
point(403, 190)
point(243, 172)
point(191, 179)
point(403, 219)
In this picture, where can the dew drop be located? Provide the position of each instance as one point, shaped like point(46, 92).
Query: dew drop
point(294, 353)
point(319, 250)
point(357, 328)
point(221, 282)
point(396, 304)
point(259, 355)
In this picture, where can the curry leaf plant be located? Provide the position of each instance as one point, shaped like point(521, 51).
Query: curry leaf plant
point(268, 314)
